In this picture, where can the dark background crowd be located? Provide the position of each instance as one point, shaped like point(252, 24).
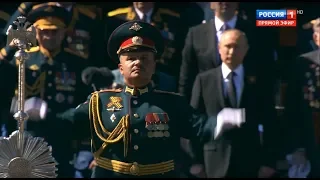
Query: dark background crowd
point(185, 27)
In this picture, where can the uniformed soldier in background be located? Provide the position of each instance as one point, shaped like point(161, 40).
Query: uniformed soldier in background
point(84, 33)
point(6, 92)
point(136, 130)
point(53, 75)
point(166, 20)
point(303, 107)
point(5, 12)
point(4, 17)
point(315, 26)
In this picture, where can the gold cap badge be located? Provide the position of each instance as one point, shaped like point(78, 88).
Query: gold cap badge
point(135, 27)
point(137, 40)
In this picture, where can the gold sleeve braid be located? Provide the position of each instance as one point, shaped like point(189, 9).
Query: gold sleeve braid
point(119, 132)
point(37, 87)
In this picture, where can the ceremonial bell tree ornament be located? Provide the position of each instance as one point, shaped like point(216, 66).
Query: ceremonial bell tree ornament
point(21, 155)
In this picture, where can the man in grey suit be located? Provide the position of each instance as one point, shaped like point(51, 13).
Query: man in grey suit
point(200, 51)
point(239, 151)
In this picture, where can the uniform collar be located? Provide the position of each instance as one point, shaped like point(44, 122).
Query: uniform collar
point(49, 55)
point(226, 70)
point(138, 91)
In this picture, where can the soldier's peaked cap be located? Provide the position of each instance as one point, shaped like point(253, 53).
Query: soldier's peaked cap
point(135, 36)
point(50, 15)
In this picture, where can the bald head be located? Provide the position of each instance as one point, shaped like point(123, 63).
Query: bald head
point(233, 47)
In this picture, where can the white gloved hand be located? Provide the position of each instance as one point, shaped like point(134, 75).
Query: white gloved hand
point(300, 166)
point(83, 160)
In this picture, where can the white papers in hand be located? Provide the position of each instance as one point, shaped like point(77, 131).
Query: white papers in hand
point(229, 118)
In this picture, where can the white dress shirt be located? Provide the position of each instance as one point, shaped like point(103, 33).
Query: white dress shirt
point(238, 80)
point(219, 23)
point(148, 14)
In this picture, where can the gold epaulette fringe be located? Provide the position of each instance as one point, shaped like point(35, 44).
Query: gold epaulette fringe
point(121, 131)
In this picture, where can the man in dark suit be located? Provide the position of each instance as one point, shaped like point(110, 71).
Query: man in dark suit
point(200, 49)
point(302, 110)
point(196, 13)
point(238, 152)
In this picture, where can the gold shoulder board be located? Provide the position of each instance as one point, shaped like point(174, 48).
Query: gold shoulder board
point(22, 8)
point(33, 49)
point(111, 90)
point(119, 11)
point(169, 12)
point(167, 92)
point(87, 12)
point(5, 16)
point(84, 56)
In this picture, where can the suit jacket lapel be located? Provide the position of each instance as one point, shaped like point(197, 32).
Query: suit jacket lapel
point(210, 36)
point(248, 81)
point(219, 86)
point(136, 17)
point(239, 24)
point(244, 91)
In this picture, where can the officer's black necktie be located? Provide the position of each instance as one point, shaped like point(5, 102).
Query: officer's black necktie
point(144, 18)
point(231, 90)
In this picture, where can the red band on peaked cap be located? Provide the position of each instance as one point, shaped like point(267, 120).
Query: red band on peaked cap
point(138, 31)
point(136, 41)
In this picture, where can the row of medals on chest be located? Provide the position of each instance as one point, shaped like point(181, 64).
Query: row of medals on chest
point(311, 90)
point(157, 130)
point(61, 77)
point(65, 83)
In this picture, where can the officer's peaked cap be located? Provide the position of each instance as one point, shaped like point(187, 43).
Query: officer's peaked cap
point(135, 36)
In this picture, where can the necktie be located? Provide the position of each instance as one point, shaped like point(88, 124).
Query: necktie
point(144, 18)
point(231, 90)
point(224, 27)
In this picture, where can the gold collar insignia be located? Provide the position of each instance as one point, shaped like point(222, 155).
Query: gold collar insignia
point(136, 91)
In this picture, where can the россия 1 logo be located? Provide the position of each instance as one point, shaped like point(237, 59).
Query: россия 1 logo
point(277, 18)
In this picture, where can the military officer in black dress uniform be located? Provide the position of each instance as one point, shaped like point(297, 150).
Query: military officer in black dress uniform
point(85, 30)
point(302, 125)
point(135, 131)
point(53, 75)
